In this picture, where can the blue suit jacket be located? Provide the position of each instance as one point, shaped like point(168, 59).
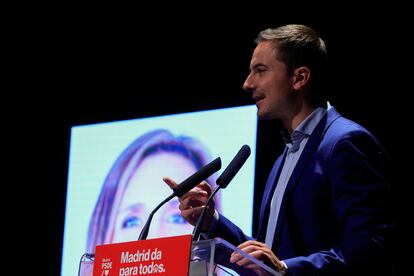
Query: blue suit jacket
point(334, 218)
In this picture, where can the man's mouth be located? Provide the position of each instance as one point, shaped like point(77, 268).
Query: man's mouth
point(257, 98)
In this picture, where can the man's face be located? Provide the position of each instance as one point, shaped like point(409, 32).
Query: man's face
point(269, 83)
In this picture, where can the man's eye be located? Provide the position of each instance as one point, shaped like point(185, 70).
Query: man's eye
point(176, 218)
point(131, 222)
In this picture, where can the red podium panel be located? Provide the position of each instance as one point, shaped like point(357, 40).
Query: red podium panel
point(162, 256)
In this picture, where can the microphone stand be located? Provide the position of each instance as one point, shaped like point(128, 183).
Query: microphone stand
point(199, 224)
point(145, 229)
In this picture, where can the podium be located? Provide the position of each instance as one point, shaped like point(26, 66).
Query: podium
point(201, 258)
point(211, 257)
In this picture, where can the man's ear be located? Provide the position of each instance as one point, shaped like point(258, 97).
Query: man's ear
point(301, 77)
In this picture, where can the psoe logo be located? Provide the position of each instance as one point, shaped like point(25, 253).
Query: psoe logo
point(105, 268)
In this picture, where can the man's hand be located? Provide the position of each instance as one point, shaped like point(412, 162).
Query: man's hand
point(261, 252)
point(193, 202)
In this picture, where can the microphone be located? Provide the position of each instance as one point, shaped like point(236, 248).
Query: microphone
point(182, 189)
point(222, 181)
point(197, 177)
point(234, 167)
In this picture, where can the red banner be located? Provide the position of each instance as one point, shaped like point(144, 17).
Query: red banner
point(163, 256)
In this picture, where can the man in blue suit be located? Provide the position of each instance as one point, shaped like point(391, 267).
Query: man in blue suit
point(325, 208)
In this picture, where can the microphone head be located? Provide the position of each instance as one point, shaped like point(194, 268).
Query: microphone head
point(197, 177)
point(234, 166)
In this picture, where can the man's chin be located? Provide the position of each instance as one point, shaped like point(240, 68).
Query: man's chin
point(261, 115)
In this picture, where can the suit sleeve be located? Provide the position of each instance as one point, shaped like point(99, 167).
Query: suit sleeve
point(356, 168)
point(228, 231)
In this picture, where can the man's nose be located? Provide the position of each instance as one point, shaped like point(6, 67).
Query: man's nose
point(248, 84)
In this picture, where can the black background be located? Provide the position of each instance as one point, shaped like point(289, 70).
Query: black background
point(81, 65)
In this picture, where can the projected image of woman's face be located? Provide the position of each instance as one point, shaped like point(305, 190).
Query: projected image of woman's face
point(145, 191)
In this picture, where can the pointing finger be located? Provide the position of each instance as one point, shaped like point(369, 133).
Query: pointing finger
point(171, 183)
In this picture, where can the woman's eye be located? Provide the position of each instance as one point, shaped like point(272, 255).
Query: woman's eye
point(176, 218)
point(131, 222)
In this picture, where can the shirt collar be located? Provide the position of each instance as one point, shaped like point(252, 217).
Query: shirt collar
point(305, 128)
point(309, 124)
